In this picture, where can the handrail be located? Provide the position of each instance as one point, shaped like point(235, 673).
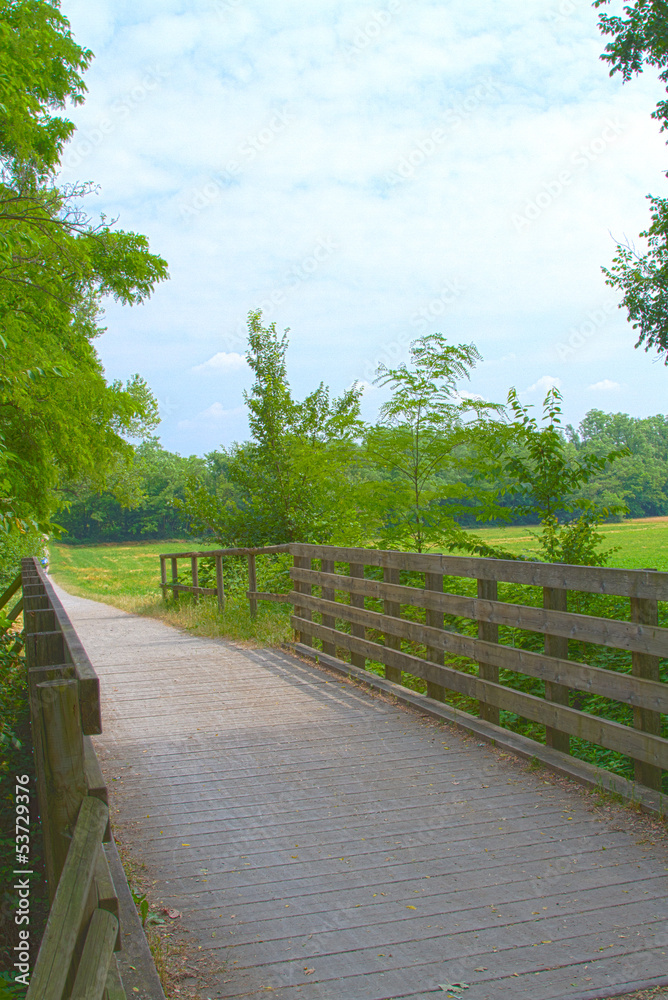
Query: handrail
point(219, 590)
point(75, 958)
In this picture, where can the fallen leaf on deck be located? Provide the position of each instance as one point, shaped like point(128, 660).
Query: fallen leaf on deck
point(308, 971)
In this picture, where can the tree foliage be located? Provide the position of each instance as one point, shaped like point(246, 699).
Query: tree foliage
point(640, 39)
point(540, 465)
point(59, 418)
point(417, 448)
point(138, 502)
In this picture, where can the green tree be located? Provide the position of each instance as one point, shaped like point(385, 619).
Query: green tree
point(639, 39)
point(59, 418)
point(291, 482)
point(550, 476)
point(416, 452)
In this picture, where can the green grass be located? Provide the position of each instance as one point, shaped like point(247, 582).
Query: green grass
point(123, 573)
point(643, 544)
point(127, 576)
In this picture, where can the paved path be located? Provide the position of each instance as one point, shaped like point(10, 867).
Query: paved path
point(326, 845)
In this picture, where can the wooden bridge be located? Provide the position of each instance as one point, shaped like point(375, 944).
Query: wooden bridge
point(324, 842)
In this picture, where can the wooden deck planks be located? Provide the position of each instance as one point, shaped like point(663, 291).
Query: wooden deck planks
point(301, 824)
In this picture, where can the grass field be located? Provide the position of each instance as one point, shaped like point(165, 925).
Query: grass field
point(642, 544)
point(127, 576)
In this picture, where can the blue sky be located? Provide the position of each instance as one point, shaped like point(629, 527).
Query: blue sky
point(366, 174)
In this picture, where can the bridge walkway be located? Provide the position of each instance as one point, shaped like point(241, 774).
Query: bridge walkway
point(322, 843)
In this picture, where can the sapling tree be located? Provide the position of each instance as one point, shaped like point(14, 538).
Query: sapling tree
point(419, 445)
point(292, 480)
point(548, 473)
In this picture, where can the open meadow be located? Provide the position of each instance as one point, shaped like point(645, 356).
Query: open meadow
point(641, 544)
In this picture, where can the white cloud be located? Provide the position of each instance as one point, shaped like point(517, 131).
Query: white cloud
point(213, 417)
point(469, 161)
point(606, 385)
point(545, 383)
point(366, 386)
point(222, 362)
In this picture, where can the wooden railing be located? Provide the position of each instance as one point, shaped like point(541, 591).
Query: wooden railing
point(336, 612)
point(76, 957)
point(219, 590)
point(641, 636)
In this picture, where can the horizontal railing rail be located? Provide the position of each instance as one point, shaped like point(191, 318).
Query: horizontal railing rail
point(344, 610)
point(76, 956)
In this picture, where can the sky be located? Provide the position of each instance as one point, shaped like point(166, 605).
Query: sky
point(365, 175)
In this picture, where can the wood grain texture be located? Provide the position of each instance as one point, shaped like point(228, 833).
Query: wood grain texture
point(596, 680)
point(593, 579)
point(62, 760)
point(488, 632)
point(633, 635)
point(98, 950)
point(646, 613)
point(556, 645)
point(393, 609)
point(69, 906)
point(89, 689)
point(327, 845)
point(356, 571)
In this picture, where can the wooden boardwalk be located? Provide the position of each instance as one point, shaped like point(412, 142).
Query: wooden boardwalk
point(323, 844)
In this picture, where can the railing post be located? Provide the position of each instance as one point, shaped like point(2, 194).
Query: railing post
point(175, 577)
point(303, 562)
point(393, 609)
point(252, 584)
point(357, 601)
point(555, 599)
point(194, 569)
point(163, 577)
point(62, 765)
point(220, 584)
point(434, 581)
point(645, 611)
point(328, 594)
point(488, 591)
